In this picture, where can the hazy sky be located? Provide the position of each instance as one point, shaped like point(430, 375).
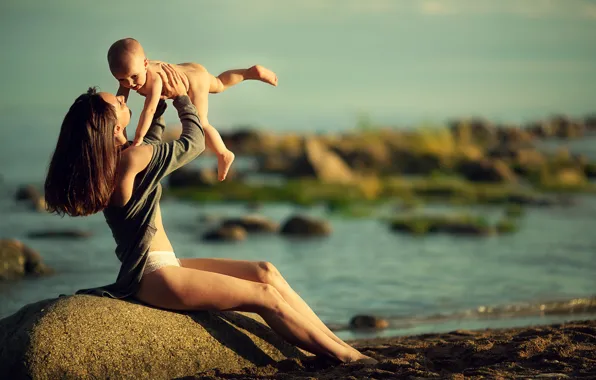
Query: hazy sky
point(397, 60)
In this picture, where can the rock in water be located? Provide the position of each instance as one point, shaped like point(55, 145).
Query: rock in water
point(252, 223)
point(299, 225)
point(82, 337)
point(17, 260)
point(368, 322)
point(226, 233)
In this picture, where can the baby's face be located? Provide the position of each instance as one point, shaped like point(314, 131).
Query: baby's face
point(134, 73)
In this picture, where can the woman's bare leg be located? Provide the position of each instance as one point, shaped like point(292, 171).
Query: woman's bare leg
point(231, 78)
point(180, 288)
point(267, 273)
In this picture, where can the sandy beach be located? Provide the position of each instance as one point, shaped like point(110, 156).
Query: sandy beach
point(558, 351)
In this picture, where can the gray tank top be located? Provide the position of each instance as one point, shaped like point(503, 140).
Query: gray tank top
point(133, 225)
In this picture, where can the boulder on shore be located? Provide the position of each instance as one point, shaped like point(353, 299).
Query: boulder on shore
point(83, 336)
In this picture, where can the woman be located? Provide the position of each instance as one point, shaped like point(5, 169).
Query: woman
point(94, 168)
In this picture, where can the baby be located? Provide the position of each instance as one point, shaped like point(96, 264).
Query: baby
point(131, 68)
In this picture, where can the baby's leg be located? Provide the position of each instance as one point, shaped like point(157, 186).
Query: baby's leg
point(199, 95)
point(230, 78)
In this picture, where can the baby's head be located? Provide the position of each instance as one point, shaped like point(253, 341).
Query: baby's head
point(128, 63)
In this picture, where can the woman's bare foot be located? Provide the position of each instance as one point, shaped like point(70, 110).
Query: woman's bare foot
point(357, 357)
point(224, 161)
point(366, 360)
point(263, 74)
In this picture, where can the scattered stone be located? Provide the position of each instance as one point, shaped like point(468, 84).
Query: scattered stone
point(368, 322)
point(208, 218)
point(463, 224)
point(60, 234)
point(27, 193)
point(17, 260)
point(222, 233)
point(30, 194)
point(252, 223)
point(305, 226)
point(590, 170)
point(192, 178)
point(254, 206)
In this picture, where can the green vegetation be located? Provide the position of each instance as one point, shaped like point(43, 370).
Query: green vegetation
point(457, 224)
point(505, 225)
point(514, 211)
point(411, 191)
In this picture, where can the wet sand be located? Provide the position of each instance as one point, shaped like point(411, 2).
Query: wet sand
point(557, 351)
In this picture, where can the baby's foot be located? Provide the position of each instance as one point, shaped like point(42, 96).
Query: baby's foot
point(263, 74)
point(224, 161)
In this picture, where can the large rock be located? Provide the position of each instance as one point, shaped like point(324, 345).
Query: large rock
point(476, 129)
point(364, 157)
point(320, 162)
point(84, 337)
point(17, 260)
point(513, 135)
point(486, 170)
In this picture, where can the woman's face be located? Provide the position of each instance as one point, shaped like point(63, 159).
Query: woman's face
point(123, 114)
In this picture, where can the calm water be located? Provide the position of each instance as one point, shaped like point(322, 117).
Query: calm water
point(361, 268)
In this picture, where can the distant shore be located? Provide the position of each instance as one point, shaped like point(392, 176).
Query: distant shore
point(558, 351)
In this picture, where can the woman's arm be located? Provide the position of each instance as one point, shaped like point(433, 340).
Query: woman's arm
point(149, 109)
point(162, 158)
point(124, 91)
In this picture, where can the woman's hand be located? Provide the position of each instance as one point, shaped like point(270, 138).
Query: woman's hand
point(173, 83)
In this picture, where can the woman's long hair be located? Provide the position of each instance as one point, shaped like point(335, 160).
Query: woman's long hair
point(82, 171)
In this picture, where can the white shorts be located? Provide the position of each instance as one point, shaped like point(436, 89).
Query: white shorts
point(160, 259)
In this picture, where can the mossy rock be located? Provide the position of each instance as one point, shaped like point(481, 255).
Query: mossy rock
point(306, 192)
point(83, 337)
point(506, 226)
point(514, 210)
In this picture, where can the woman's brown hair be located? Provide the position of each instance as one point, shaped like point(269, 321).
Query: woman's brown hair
point(81, 174)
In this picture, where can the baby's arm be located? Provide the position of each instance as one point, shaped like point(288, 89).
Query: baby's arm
point(149, 108)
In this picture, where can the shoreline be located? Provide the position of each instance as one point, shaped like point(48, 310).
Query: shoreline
point(565, 350)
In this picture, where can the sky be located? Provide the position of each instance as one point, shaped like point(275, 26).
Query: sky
point(398, 61)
